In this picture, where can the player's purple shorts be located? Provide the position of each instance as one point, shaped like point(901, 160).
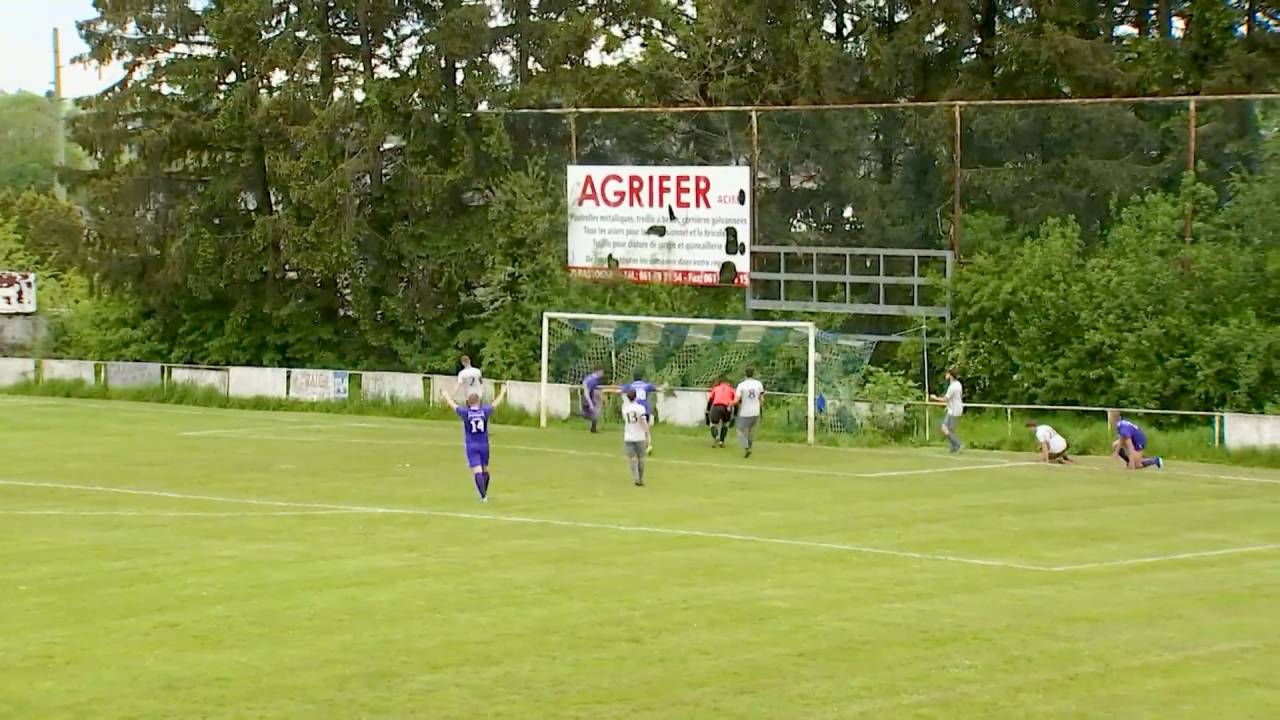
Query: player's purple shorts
point(477, 455)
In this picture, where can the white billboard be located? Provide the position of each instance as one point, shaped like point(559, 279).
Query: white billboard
point(671, 225)
point(17, 292)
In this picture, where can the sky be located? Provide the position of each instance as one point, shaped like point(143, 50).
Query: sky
point(26, 47)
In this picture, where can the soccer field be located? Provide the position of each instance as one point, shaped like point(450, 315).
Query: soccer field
point(164, 561)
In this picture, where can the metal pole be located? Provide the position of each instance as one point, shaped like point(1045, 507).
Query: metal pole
point(1008, 419)
point(542, 389)
point(573, 138)
point(924, 344)
point(955, 183)
point(1191, 167)
point(59, 142)
point(813, 348)
point(755, 176)
point(1217, 429)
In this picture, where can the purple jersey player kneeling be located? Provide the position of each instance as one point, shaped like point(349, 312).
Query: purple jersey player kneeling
point(475, 436)
point(1130, 443)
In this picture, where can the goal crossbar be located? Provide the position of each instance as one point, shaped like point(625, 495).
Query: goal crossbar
point(809, 329)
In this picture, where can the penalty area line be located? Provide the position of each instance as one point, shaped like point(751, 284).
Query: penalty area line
point(228, 434)
point(543, 521)
point(151, 513)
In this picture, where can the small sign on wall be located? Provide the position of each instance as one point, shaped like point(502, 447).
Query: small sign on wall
point(17, 292)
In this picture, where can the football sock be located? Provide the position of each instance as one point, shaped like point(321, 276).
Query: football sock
point(724, 430)
point(481, 484)
point(1149, 462)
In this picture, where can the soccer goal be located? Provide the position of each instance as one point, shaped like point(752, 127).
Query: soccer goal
point(690, 353)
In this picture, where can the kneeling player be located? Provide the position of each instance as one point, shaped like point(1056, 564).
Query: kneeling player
point(635, 435)
point(1130, 443)
point(719, 403)
point(1053, 447)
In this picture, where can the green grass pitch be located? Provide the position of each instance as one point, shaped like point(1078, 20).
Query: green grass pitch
point(172, 562)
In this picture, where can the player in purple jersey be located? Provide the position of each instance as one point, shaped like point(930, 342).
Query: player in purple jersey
point(1130, 443)
point(643, 389)
point(475, 436)
point(593, 396)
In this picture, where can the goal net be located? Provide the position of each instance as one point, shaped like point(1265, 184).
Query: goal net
point(794, 360)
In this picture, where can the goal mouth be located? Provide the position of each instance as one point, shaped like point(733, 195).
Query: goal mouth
point(792, 359)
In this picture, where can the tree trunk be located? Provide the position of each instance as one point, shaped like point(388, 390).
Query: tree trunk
point(1142, 17)
point(373, 126)
point(522, 41)
point(841, 10)
point(324, 34)
point(1164, 19)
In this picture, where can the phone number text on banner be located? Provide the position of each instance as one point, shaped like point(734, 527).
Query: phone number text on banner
point(669, 225)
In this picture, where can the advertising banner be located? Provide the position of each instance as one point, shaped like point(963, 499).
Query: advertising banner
point(667, 225)
point(17, 292)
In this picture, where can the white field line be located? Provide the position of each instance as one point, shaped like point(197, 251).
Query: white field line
point(591, 453)
point(1166, 558)
point(237, 430)
point(351, 509)
point(148, 513)
point(537, 521)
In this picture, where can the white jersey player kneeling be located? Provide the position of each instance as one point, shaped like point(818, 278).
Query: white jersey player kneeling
point(635, 434)
point(1053, 447)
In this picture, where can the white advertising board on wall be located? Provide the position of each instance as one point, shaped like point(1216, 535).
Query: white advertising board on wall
point(133, 374)
point(318, 384)
point(257, 382)
point(391, 386)
point(665, 225)
point(16, 370)
point(215, 378)
point(17, 292)
point(1242, 430)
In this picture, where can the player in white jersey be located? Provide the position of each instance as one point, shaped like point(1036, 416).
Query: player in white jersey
point(954, 400)
point(750, 399)
point(635, 434)
point(1053, 447)
point(470, 381)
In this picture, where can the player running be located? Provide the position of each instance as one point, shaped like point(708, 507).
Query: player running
point(636, 435)
point(1130, 442)
point(750, 400)
point(475, 436)
point(720, 402)
point(592, 396)
point(1053, 447)
point(643, 389)
point(954, 400)
point(470, 381)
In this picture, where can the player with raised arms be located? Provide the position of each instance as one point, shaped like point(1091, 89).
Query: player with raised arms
point(592, 396)
point(475, 435)
point(470, 381)
point(720, 402)
point(1130, 442)
point(636, 434)
point(643, 389)
point(750, 400)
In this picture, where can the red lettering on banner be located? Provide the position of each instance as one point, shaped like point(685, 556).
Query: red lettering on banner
point(635, 184)
point(702, 186)
point(665, 277)
point(653, 191)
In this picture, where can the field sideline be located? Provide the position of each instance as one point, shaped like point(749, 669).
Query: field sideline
point(166, 561)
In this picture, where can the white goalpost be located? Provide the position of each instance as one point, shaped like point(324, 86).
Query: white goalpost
point(679, 352)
